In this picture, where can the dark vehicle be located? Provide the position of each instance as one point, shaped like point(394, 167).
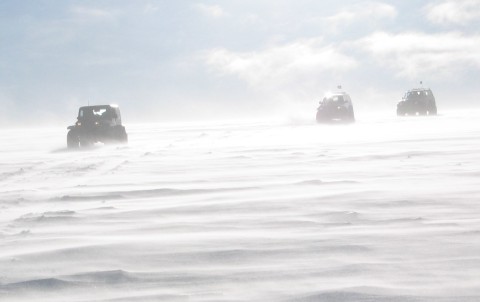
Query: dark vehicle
point(336, 107)
point(102, 123)
point(419, 101)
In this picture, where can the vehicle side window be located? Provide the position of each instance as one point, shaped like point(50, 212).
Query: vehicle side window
point(118, 117)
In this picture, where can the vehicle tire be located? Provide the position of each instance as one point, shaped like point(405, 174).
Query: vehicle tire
point(321, 117)
point(400, 109)
point(351, 115)
point(122, 136)
point(73, 141)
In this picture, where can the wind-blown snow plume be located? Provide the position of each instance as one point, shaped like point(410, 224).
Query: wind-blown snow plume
point(383, 210)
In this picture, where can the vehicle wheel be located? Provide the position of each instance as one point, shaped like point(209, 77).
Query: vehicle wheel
point(321, 118)
point(73, 141)
point(351, 115)
point(122, 135)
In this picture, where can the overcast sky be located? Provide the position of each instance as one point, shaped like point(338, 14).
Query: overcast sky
point(182, 60)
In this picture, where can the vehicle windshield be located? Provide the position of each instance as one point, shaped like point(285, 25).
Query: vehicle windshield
point(417, 94)
point(96, 113)
point(334, 99)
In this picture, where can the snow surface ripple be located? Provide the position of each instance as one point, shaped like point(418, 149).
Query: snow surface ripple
point(382, 210)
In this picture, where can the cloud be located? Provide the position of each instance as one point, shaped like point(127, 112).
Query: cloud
point(84, 12)
point(150, 8)
point(280, 65)
point(214, 11)
point(448, 12)
point(415, 54)
point(369, 10)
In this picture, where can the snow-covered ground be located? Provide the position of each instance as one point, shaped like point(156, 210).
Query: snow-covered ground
point(386, 209)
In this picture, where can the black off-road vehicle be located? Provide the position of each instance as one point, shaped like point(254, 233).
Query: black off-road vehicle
point(336, 107)
point(102, 123)
point(419, 101)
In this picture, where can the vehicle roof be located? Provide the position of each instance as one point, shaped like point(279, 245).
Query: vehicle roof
point(420, 89)
point(99, 106)
point(330, 94)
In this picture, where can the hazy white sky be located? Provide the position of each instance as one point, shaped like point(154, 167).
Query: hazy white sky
point(182, 60)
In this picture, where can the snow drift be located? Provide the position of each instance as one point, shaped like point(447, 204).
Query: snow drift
point(383, 210)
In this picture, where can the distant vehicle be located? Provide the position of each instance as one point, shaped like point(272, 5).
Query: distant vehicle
point(102, 123)
point(418, 101)
point(336, 107)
